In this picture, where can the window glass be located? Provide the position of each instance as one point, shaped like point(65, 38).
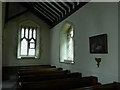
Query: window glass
point(27, 42)
point(32, 41)
point(34, 34)
point(30, 33)
point(70, 45)
point(67, 44)
point(24, 47)
point(32, 45)
point(26, 32)
point(31, 52)
point(22, 33)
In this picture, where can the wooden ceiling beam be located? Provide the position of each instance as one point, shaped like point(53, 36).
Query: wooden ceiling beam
point(42, 11)
point(54, 8)
point(75, 4)
point(69, 5)
point(66, 6)
point(56, 4)
point(49, 8)
point(48, 11)
point(72, 11)
point(53, 12)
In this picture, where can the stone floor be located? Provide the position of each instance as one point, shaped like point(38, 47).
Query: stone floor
point(9, 84)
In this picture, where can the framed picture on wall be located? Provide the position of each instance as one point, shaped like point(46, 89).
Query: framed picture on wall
point(98, 44)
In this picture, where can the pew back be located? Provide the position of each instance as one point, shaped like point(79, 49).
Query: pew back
point(60, 84)
point(22, 73)
point(110, 86)
point(42, 77)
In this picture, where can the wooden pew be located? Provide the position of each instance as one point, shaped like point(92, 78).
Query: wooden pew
point(109, 86)
point(8, 71)
point(39, 75)
point(36, 66)
point(43, 77)
point(59, 84)
point(38, 69)
point(22, 73)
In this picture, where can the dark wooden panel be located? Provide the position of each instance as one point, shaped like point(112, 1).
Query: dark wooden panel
point(109, 86)
point(60, 84)
point(43, 77)
point(52, 15)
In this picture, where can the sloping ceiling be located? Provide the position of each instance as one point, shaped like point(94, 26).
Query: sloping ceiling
point(50, 12)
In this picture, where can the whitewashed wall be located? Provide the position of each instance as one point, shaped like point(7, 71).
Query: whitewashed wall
point(10, 39)
point(92, 19)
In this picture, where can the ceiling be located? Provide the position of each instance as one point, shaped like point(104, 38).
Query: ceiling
point(50, 12)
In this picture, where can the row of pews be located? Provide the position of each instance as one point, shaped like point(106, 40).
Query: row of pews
point(109, 86)
point(52, 78)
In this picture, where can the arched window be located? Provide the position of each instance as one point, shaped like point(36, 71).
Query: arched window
point(28, 40)
point(67, 44)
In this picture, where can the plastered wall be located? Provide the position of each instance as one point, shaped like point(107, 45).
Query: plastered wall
point(10, 40)
point(92, 19)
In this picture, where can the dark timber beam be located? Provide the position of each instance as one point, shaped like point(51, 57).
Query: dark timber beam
point(75, 9)
point(54, 8)
point(70, 6)
point(66, 6)
point(48, 11)
point(44, 12)
point(51, 10)
point(57, 5)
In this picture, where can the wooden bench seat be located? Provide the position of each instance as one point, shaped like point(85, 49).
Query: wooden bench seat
point(42, 72)
point(36, 66)
point(59, 84)
point(38, 69)
point(110, 86)
point(8, 71)
point(42, 77)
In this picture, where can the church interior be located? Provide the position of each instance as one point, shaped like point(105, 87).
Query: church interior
point(60, 45)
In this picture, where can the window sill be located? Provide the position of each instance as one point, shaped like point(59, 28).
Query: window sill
point(27, 58)
point(68, 62)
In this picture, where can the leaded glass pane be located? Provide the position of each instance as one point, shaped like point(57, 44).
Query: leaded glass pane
point(27, 42)
point(32, 52)
point(22, 32)
point(30, 33)
point(26, 32)
point(32, 41)
point(34, 34)
point(70, 49)
point(70, 45)
point(71, 33)
point(24, 47)
point(32, 45)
